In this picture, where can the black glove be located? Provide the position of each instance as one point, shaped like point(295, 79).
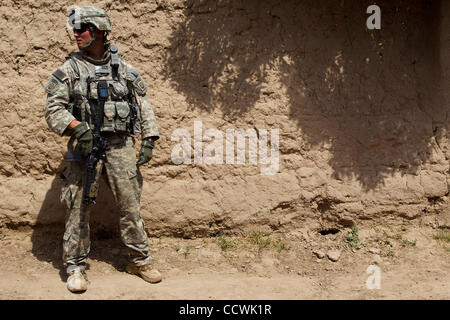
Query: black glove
point(84, 137)
point(145, 155)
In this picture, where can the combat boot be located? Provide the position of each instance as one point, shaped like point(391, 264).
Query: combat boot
point(77, 280)
point(146, 272)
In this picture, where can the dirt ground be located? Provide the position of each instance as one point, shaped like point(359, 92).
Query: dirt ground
point(413, 262)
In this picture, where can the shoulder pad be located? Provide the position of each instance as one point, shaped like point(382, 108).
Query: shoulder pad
point(138, 83)
point(52, 85)
point(56, 79)
point(59, 74)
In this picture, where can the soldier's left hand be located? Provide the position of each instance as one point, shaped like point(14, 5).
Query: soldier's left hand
point(145, 155)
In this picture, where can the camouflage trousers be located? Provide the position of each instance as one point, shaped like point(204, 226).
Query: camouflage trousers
point(125, 181)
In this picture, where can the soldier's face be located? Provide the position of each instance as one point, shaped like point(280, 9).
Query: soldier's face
point(82, 36)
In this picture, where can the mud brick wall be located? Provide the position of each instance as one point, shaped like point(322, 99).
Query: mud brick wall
point(361, 114)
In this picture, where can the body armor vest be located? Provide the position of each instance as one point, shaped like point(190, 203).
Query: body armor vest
point(120, 109)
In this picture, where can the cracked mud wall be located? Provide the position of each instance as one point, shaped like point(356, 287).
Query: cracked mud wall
point(362, 114)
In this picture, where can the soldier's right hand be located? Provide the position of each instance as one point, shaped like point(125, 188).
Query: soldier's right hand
point(84, 137)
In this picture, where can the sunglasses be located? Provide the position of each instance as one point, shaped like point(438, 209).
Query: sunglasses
point(82, 29)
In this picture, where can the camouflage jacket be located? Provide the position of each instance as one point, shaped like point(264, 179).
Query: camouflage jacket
point(67, 87)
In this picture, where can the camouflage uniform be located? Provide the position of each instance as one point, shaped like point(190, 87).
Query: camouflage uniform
point(67, 93)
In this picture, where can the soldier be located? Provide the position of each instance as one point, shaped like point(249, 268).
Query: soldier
point(74, 98)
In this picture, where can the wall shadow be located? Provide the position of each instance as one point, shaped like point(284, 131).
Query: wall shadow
point(367, 97)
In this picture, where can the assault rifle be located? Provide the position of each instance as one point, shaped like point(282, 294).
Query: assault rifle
point(99, 146)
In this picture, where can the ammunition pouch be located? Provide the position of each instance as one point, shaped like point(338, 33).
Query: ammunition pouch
point(116, 116)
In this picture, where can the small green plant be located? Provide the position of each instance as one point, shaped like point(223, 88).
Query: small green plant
point(353, 237)
point(224, 243)
point(259, 239)
point(187, 251)
point(407, 242)
point(388, 242)
point(390, 253)
point(281, 246)
point(442, 235)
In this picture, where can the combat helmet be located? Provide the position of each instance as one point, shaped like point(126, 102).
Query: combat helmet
point(94, 17)
point(90, 15)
